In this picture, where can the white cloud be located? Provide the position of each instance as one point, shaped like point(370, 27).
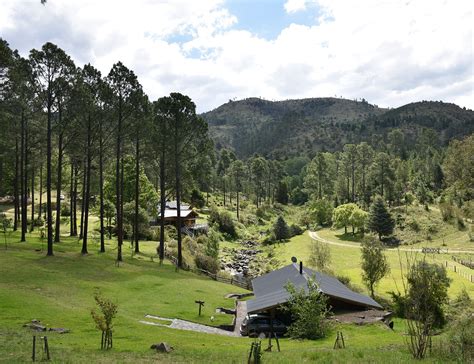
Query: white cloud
point(388, 52)
point(293, 6)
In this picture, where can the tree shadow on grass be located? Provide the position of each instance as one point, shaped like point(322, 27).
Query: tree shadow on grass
point(357, 238)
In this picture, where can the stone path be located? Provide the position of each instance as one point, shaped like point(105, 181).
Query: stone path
point(241, 313)
point(186, 325)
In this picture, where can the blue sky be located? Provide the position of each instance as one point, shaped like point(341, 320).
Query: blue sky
point(267, 18)
point(388, 52)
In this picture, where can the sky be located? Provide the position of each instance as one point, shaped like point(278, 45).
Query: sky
point(389, 52)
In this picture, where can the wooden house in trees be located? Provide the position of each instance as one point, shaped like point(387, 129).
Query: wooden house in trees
point(188, 215)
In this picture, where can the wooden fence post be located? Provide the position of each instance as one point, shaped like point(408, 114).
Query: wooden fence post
point(33, 356)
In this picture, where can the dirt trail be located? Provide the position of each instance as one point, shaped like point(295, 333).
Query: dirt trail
point(314, 235)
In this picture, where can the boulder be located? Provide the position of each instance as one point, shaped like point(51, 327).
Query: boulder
point(162, 347)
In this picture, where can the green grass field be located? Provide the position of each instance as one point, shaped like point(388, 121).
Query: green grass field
point(346, 261)
point(59, 291)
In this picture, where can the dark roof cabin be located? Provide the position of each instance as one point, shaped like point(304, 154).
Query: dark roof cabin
point(270, 291)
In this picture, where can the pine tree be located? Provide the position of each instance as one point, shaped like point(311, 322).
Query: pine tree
point(380, 220)
point(281, 229)
point(282, 193)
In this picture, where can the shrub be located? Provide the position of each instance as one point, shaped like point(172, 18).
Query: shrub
point(190, 245)
point(224, 222)
point(197, 199)
point(295, 230)
point(65, 210)
point(414, 225)
point(103, 320)
point(447, 211)
point(320, 256)
point(201, 240)
point(308, 311)
point(207, 263)
point(212, 245)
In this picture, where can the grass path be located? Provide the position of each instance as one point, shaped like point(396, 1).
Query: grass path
point(314, 235)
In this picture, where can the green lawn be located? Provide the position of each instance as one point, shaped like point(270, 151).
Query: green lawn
point(58, 291)
point(346, 261)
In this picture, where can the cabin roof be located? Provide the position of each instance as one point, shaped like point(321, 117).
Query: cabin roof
point(270, 290)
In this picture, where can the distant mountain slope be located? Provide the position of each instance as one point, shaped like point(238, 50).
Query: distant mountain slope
point(297, 127)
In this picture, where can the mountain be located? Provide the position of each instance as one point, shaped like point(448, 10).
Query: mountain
point(281, 129)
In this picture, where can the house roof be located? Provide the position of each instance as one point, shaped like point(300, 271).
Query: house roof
point(169, 213)
point(174, 205)
point(270, 290)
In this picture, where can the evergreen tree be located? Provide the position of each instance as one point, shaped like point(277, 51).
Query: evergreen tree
point(380, 220)
point(282, 193)
point(280, 229)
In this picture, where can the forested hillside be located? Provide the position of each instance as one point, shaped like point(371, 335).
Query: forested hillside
point(303, 127)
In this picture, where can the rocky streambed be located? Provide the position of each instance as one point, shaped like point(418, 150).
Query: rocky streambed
point(237, 261)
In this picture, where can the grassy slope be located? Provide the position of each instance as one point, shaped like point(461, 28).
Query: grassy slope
point(58, 291)
point(346, 261)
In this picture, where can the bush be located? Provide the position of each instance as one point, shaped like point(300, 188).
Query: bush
point(224, 222)
point(39, 221)
point(197, 199)
point(308, 311)
point(447, 211)
point(170, 231)
point(201, 240)
point(207, 263)
point(212, 245)
point(295, 230)
point(65, 210)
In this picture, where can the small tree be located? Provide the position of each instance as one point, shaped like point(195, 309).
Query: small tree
point(341, 215)
point(380, 220)
point(320, 256)
point(5, 224)
point(103, 320)
point(322, 210)
point(374, 264)
point(280, 229)
point(358, 220)
point(309, 309)
point(426, 290)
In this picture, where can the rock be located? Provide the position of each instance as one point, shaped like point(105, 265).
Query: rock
point(35, 325)
point(162, 347)
point(59, 330)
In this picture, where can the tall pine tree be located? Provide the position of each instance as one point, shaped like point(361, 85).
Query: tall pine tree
point(380, 220)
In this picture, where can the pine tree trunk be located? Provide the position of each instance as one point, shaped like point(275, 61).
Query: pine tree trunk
point(118, 202)
point(71, 199)
point(40, 208)
point(101, 189)
point(23, 178)
point(15, 188)
point(57, 232)
point(88, 186)
point(32, 227)
point(48, 178)
point(178, 194)
point(74, 217)
point(84, 182)
point(162, 203)
point(238, 205)
point(137, 191)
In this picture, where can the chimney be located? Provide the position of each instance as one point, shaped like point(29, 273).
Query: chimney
point(301, 267)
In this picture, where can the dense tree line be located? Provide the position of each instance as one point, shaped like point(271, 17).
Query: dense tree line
point(70, 128)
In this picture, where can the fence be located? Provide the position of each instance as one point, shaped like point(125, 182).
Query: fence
point(247, 284)
point(460, 271)
point(466, 263)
